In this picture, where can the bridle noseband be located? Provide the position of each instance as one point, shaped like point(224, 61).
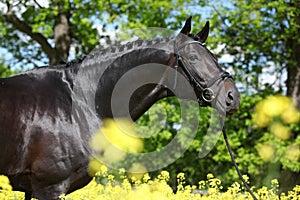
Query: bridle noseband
point(204, 88)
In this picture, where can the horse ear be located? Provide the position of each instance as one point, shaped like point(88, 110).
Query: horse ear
point(187, 26)
point(203, 34)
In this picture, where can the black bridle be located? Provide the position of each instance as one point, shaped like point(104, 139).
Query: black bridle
point(207, 94)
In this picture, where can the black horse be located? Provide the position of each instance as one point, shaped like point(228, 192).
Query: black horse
point(47, 115)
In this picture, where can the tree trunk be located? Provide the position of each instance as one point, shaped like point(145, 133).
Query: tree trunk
point(287, 178)
point(293, 80)
point(62, 38)
point(293, 68)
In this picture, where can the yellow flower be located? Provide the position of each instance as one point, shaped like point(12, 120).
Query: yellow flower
point(94, 166)
point(266, 152)
point(99, 142)
point(275, 182)
point(4, 183)
point(137, 171)
point(290, 115)
point(164, 175)
point(275, 105)
point(111, 177)
point(113, 155)
point(122, 171)
point(209, 176)
point(119, 133)
point(146, 178)
point(180, 176)
point(260, 119)
point(126, 185)
point(202, 185)
point(246, 178)
point(293, 153)
point(160, 190)
point(280, 131)
point(114, 140)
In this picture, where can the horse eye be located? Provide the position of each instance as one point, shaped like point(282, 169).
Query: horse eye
point(193, 57)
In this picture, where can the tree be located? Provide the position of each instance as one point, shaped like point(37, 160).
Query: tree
point(262, 36)
point(37, 34)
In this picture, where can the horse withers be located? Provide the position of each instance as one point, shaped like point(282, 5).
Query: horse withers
point(47, 115)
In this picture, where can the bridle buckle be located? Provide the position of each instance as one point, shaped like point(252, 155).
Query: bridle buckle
point(210, 93)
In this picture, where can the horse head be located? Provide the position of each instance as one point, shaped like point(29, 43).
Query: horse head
point(213, 86)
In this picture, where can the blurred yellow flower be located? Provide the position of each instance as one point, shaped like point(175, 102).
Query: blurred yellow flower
point(121, 133)
point(290, 115)
point(137, 171)
point(99, 142)
point(275, 105)
point(280, 131)
point(293, 153)
point(113, 154)
point(122, 171)
point(260, 119)
point(115, 139)
point(275, 182)
point(94, 166)
point(266, 152)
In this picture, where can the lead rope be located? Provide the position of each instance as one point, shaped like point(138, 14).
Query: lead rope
point(235, 164)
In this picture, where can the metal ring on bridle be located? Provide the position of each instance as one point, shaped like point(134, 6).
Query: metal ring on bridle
point(210, 91)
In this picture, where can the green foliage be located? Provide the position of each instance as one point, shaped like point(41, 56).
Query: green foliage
point(246, 140)
point(261, 36)
point(83, 17)
point(5, 70)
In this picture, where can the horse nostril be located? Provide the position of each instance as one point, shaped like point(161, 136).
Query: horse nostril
point(229, 99)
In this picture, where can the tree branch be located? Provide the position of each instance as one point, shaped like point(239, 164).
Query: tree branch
point(25, 28)
point(37, 3)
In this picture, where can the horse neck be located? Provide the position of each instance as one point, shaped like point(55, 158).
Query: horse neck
point(100, 73)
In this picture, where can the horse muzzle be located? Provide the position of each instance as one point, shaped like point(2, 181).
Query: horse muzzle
point(232, 98)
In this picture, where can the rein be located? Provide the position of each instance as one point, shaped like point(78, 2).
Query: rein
point(206, 88)
point(235, 164)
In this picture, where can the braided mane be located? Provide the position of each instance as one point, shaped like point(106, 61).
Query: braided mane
point(116, 50)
